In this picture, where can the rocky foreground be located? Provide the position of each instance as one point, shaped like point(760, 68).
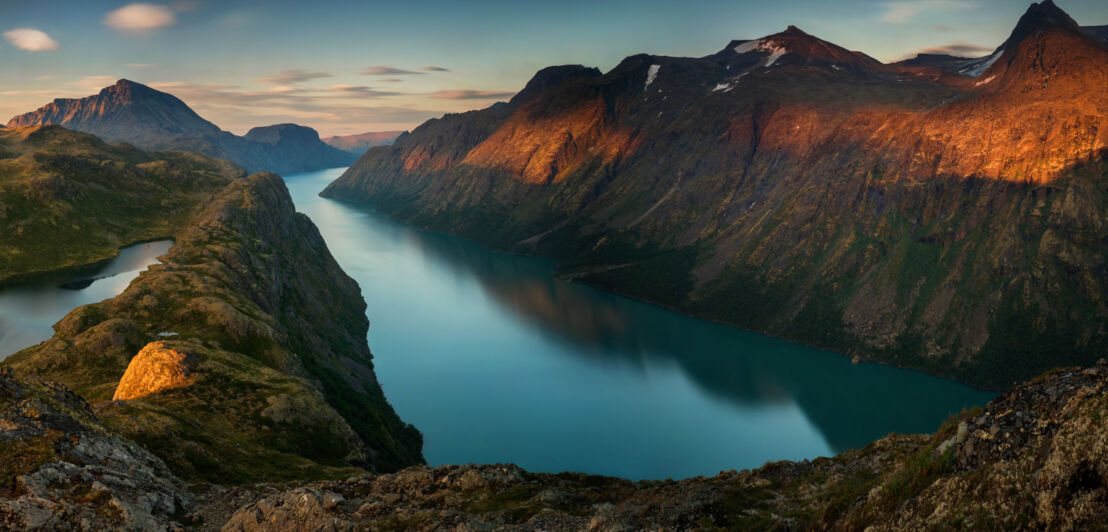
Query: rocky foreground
point(1035, 458)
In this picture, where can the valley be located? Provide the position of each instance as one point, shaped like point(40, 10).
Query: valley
point(785, 185)
point(782, 286)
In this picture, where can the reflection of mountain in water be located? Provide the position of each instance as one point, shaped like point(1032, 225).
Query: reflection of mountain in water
point(850, 404)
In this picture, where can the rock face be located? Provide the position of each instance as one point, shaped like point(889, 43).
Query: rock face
point(899, 213)
point(155, 369)
point(68, 199)
point(359, 144)
point(124, 110)
point(62, 470)
point(134, 113)
point(277, 381)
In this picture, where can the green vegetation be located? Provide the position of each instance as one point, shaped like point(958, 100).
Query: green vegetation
point(280, 386)
point(68, 200)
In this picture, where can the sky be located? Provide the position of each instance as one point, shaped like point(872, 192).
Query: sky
point(346, 66)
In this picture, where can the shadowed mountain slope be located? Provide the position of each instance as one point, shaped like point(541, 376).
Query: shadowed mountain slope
point(790, 186)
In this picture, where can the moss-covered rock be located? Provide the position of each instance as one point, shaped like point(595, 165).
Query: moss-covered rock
point(272, 378)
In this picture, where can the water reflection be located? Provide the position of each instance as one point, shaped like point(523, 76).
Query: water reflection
point(29, 310)
point(495, 360)
point(852, 404)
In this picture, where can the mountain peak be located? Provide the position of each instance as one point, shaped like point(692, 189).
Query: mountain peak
point(1039, 17)
point(794, 41)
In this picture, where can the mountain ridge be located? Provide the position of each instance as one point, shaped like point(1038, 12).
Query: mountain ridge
point(151, 119)
point(859, 207)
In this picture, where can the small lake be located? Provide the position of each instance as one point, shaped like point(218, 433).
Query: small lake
point(28, 311)
point(497, 361)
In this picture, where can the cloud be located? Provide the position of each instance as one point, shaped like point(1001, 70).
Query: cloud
point(140, 18)
point(31, 40)
point(338, 109)
point(138, 65)
point(435, 69)
point(471, 95)
point(295, 75)
point(382, 70)
point(94, 83)
point(361, 90)
point(902, 12)
point(958, 49)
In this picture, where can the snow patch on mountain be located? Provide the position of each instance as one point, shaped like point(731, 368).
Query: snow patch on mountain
point(651, 73)
point(774, 49)
point(975, 69)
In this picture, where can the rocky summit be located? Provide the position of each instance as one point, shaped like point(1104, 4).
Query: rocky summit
point(949, 221)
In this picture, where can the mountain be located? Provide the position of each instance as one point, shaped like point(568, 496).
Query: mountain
point(1099, 33)
point(359, 144)
point(952, 223)
point(69, 199)
point(150, 119)
point(242, 357)
point(294, 149)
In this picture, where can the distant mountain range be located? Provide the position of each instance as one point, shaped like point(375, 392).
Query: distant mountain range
point(359, 144)
point(942, 213)
point(136, 114)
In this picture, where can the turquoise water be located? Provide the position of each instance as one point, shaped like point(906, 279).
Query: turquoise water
point(496, 361)
point(28, 311)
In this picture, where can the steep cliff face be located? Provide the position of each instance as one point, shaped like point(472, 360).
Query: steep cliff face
point(134, 113)
point(251, 343)
point(787, 185)
point(68, 199)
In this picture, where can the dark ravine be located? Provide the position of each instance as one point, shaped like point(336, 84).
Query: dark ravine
point(910, 216)
point(150, 119)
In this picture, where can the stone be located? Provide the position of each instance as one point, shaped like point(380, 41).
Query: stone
point(155, 369)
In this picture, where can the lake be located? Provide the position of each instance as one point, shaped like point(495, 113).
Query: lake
point(29, 310)
point(494, 360)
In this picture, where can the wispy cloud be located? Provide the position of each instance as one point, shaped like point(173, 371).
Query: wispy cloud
point(140, 18)
point(383, 70)
point(138, 65)
point(31, 40)
point(338, 109)
point(361, 91)
point(464, 94)
point(960, 49)
point(902, 12)
point(435, 69)
point(295, 75)
point(93, 83)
